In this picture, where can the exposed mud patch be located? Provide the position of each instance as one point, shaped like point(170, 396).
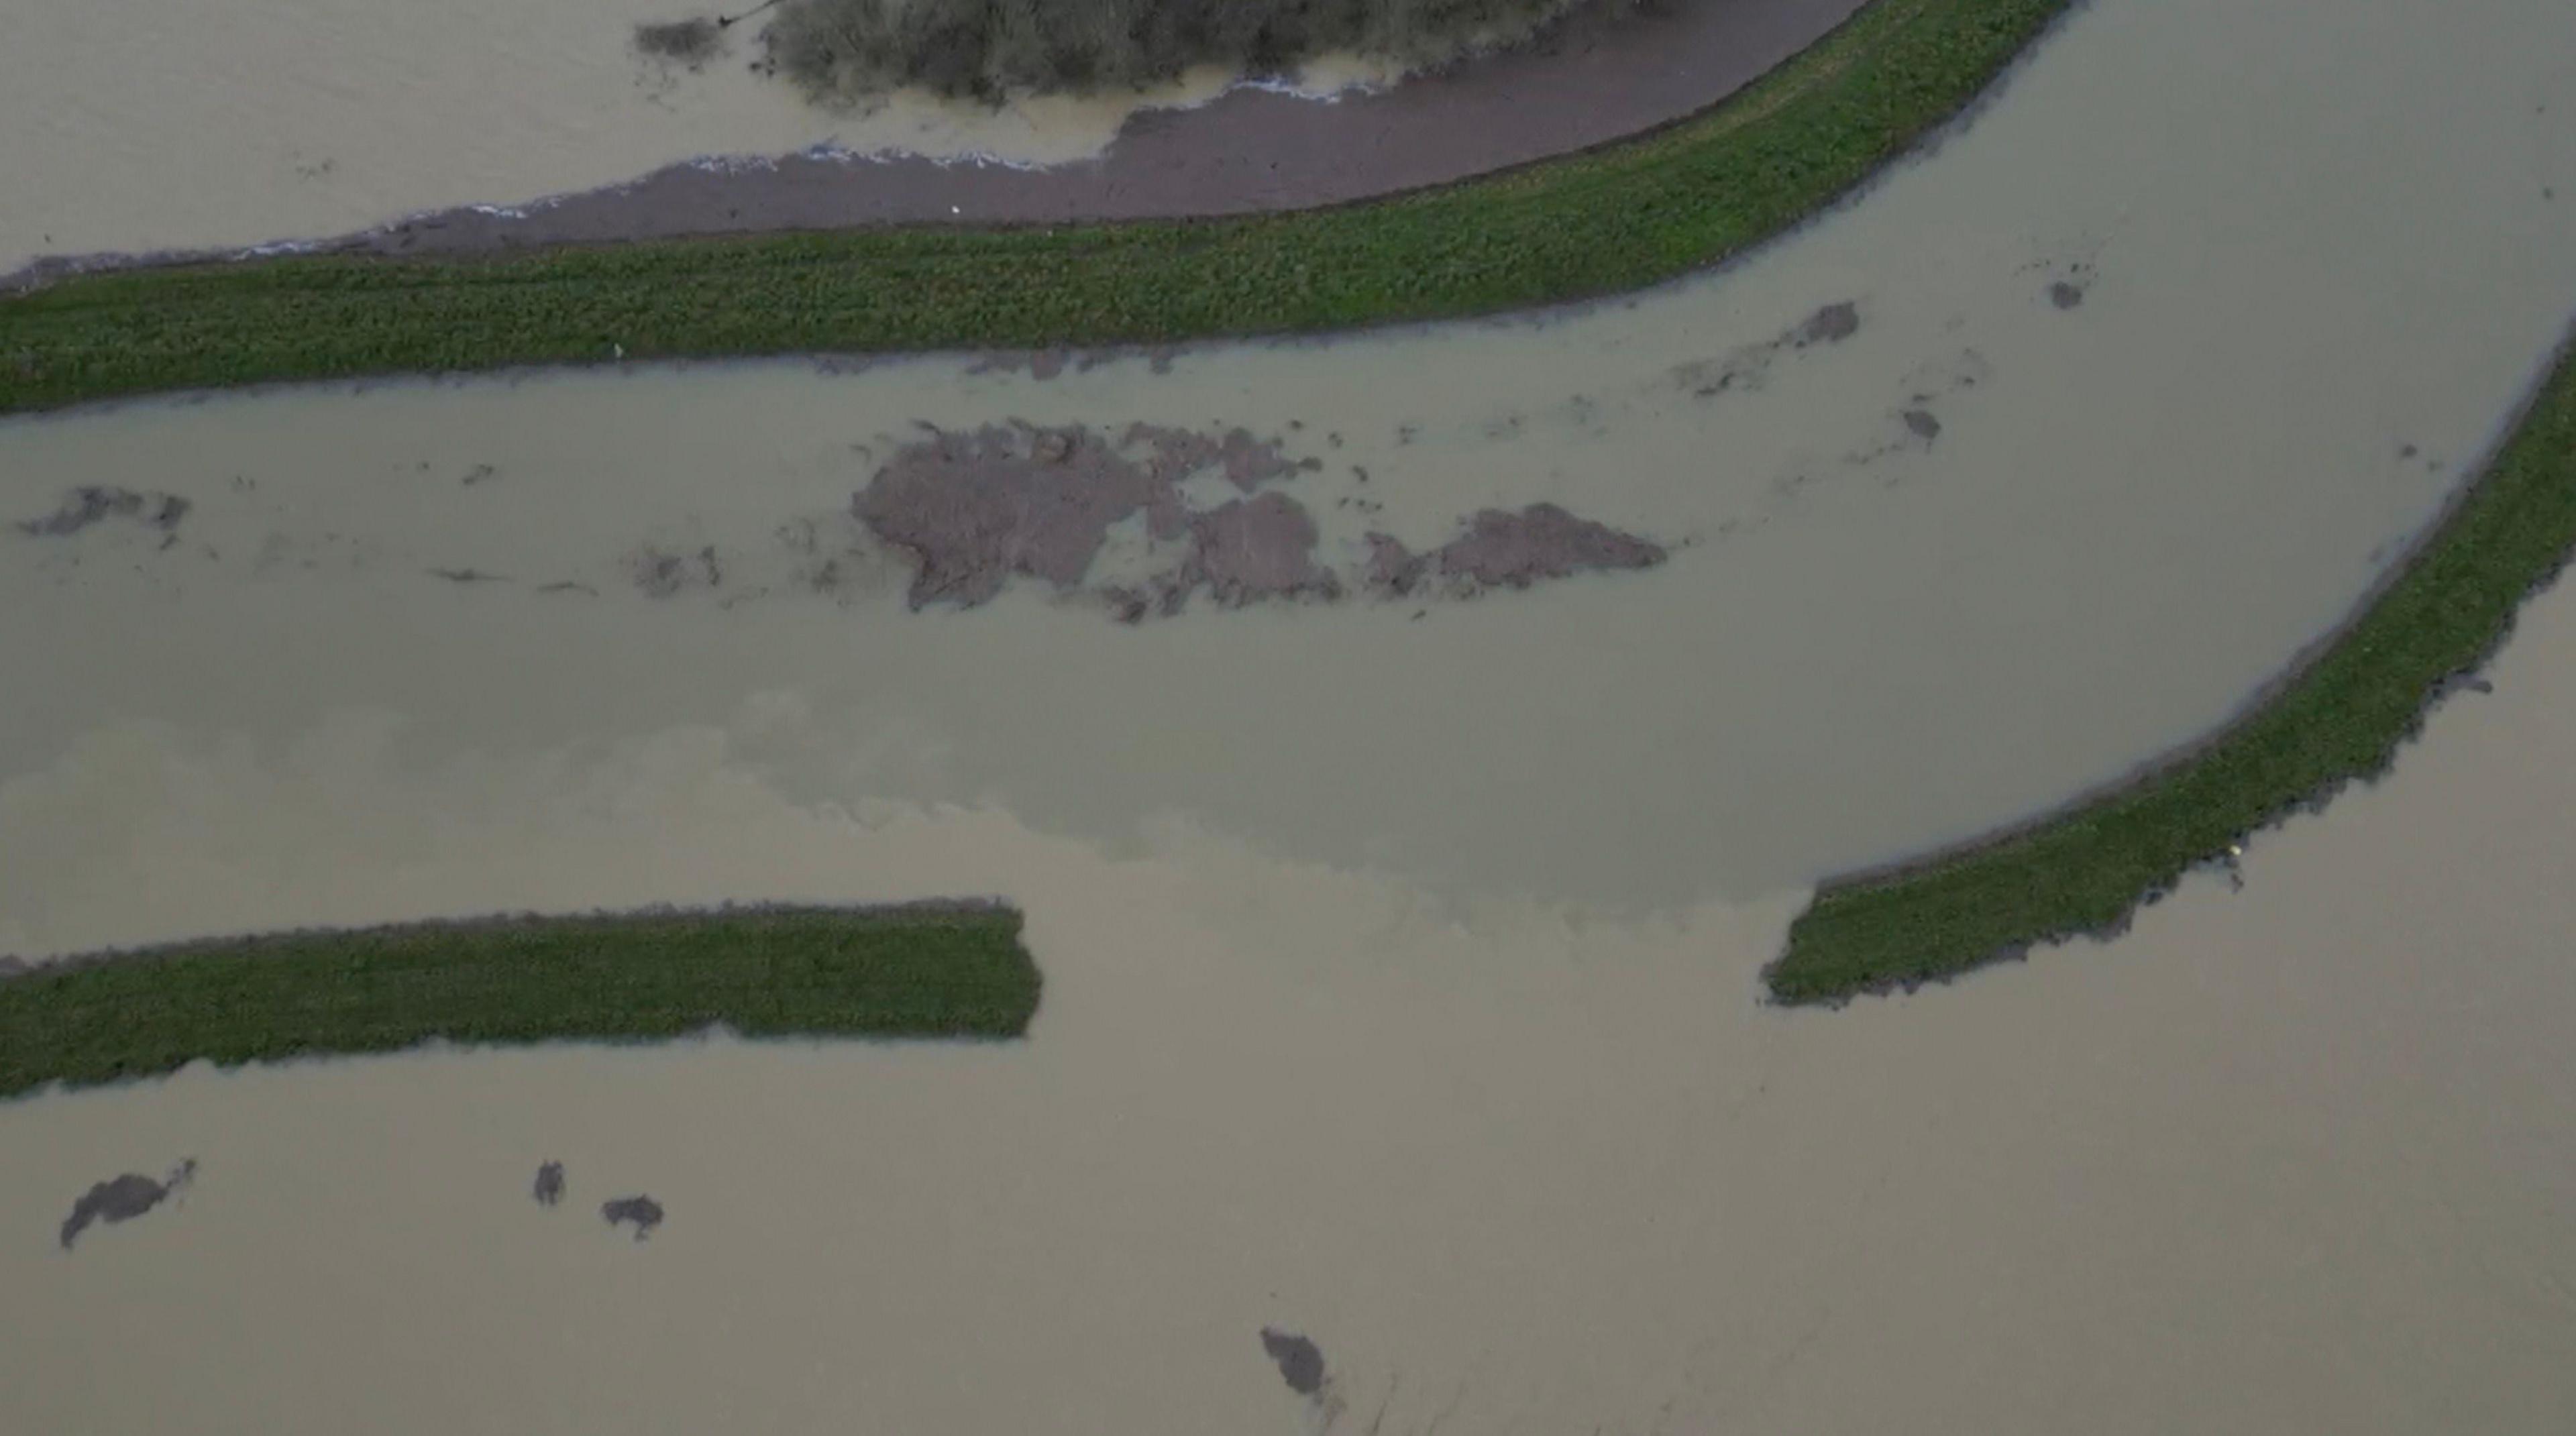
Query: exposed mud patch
point(82, 508)
point(1504, 548)
point(1300, 1361)
point(1831, 324)
point(973, 508)
point(123, 1198)
point(549, 1186)
point(642, 1212)
point(1255, 549)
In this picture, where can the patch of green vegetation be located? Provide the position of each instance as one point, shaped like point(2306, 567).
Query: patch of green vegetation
point(916, 971)
point(1609, 220)
point(2340, 719)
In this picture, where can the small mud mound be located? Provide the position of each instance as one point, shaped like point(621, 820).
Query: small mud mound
point(1300, 1361)
point(642, 1211)
point(549, 1188)
point(688, 44)
point(972, 509)
point(1504, 548)
point(123, 1198)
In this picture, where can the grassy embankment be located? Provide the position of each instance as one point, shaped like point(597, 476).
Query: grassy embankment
point(2342, 718)
point(1608, 220)
point(945, 971)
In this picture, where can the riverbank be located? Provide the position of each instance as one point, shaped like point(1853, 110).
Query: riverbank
point(1597, 223)
point(2338, 716)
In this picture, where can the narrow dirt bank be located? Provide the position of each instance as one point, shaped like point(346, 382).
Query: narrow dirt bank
point(1253, 149)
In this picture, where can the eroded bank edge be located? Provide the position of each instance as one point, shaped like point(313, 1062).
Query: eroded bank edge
point(2338, 715)
point(949, 970)
point(1610, 220)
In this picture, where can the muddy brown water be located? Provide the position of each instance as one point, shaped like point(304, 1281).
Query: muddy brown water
point(1400, 972)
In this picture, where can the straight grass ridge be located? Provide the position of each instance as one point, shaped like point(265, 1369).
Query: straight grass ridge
point(953, 971)
point(1608, 220)
point(2338, 719)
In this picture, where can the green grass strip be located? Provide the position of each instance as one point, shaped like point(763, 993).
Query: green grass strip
point(2341, 718)
point(1607, 220)
point(926, 971)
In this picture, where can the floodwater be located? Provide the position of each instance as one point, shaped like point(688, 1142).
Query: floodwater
point(2118, 427)
point(2298, 1158)
point(149, 124)
point(1401, 982)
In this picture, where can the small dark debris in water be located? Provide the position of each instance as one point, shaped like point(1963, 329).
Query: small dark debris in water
point(660, 573)
point(1921, 423)
point(1359, 473)
point(465, 575)
point(643, 1211)
point(691, 42)
point(568, 586)
point(479, 473)
point(1301, 1363)
point(1830, 325)
point(2065, 295)
point(1038, 364)
point(549, 1188)
point(123, 1199)
point(82, 507)
point(2406, 451)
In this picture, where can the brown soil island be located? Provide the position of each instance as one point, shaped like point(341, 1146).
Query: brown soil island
point(972, 509)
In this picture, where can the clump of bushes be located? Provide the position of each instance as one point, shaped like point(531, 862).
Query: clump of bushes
point(843, 51)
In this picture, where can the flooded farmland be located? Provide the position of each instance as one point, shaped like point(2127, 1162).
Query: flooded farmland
point(1400, 1067)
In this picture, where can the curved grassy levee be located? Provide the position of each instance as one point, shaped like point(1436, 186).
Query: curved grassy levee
point(1612, 219)
point(2340, 717)
point(928, 971)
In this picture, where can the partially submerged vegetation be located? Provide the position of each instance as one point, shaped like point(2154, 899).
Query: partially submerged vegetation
point(946, 970)
point(690, 43)
point(2339, 719)
point(839, 51)
point(1600, 222)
